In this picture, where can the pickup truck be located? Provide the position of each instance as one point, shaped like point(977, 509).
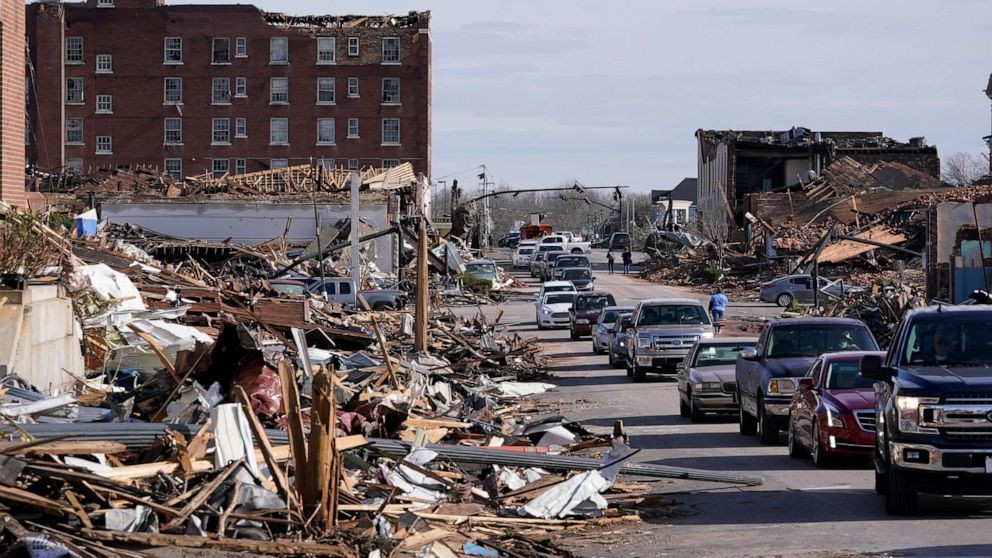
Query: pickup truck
point(342, 291)
point(562, 242)
point(933, 406)
point(766, 374)
point(662, 332)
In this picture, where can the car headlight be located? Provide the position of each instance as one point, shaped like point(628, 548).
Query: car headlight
point(546, 310)
point(643, 342)
point(781, 386)
point(908, 409)
point(581, 321)
point(707, 335)
point(705, 386)
point(834, 416)
point(622, 343)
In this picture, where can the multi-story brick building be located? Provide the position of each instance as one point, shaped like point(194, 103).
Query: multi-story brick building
point(12, 103)
point(224, 88)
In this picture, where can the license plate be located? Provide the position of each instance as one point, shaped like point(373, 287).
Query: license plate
point(988, 464)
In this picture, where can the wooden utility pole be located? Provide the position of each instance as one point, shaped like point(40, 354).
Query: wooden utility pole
point(420, 330)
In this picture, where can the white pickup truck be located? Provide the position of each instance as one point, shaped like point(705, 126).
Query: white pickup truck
point(563, 242)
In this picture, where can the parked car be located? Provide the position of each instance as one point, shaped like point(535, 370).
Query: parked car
point(509, 240)
point(832, 413)
point(618, 356)
point(554, 310)
point(555, 287)
point(522, 257)
point(296, 287)
point(580, 277)
point(603, 329)
point(548, 264)
point(570, 260)
point(616, 241)
point(342, 291)
point(933, 403)
point(535, 263)
point(562, 242)
point(705, 378)
point(588, 307)
point(485, 270)
point(766, 375)
point(784, 290)
point(664, 331)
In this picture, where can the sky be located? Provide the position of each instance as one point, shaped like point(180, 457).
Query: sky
point(606, 93)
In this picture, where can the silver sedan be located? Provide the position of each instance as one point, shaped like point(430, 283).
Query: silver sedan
point(706, 379)
point(602, 331)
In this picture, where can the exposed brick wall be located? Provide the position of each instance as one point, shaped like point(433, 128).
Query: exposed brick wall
point(12, 103)
point(924, 160)
point(133, 32)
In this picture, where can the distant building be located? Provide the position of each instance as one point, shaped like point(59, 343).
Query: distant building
point(683, 198)
point(224, 89)
point(12, 103)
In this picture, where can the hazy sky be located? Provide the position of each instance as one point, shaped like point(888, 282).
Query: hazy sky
point(612, 92)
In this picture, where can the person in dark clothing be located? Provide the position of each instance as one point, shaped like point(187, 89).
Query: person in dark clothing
point(627, 258)
point(609, 261)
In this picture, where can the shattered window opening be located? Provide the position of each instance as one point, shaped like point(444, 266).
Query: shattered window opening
point(391, 91)
point(73, 50)
point(390, 50)
point(279, 131)
point(174, 168)
point(74, 90)
point(278, 50)
point(173, 131)
point(74, 131)
point(221, 131)
point(221, 51)
point(173, 91)
point(173, 50)
point(325, 50)
point(390, 163)
point(221, 91)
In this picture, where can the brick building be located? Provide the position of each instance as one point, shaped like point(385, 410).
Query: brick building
point(12, 103)
point(224, 88)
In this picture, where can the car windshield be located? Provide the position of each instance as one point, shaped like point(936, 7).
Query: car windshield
point(559, 289)
point(553, 257)
point(525, 251)
point(559, 298)
point(844, 375)
point(571, 274)
point(547, 248)
point(593, 302)
point(289, 288)
point(673, 314)
point(718, 354)
point(796, 341)
point(937, 340)
point(611, 316)
point(572, 261)
point(485, 268)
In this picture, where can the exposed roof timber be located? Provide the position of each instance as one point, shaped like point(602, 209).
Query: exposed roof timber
point(412, 19)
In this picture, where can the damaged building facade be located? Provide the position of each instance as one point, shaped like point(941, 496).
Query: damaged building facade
point(733, 165)
point(224, 89)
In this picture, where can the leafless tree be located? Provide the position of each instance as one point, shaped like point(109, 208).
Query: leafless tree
point(961, 168)
point(711, 226)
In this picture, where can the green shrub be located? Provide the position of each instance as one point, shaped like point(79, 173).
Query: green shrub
point(712, 274)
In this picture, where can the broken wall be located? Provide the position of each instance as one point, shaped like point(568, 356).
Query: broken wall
point(39, 337)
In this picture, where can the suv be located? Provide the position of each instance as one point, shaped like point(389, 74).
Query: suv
point(585, 313)
point(766, 375)
point(933, 406)
point(662, 332)
point(548, 265)
point(570, 261)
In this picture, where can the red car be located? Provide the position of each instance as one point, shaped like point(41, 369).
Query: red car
point(832, 414)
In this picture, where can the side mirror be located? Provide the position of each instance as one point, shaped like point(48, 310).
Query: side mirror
point(805, 383)
point(871, 367)
point(750, 353)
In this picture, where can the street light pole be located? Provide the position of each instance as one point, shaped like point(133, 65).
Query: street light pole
point(988, 93)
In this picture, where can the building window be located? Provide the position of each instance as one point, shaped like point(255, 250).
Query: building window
point(221, 167)
point(74, 166)
point(278, 131)
point(173, 50)
point(174, 168)
point(325, 131)
point(352, 46)
point(352, 127)
point(221, 91)
point(278, 50)
point(278, 163)
point(240, 166)
point(326, 164)
point(353, 87)
point(104, 104)
point(240, 127)
point(279, 91)
point(73, 50)
point(104, 145)
point(325, 50)
point(104, 3)
point(391, 50)
point(173, 91)
point(391, 91)
point(352, 164)
point(74, 131)
point(173, 131)
point(104, 64)
point(222, 132)
point(390, 131)
point(390, 163)
point(241, 47)
point(221, 51)
point(240, 87)
point(325, 91)
point(74, 91)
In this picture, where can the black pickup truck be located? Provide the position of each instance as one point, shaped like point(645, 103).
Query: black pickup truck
point(933, 406)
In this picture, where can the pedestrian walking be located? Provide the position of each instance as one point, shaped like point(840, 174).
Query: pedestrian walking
point(718, 306)
point(627, 257)
point(609, 261)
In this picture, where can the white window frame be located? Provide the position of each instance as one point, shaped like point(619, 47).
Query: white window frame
point(104, 63)
point(399, 52)
point(74, 130)
point(217, 172)
point(81, 90)
point(353, 46)
point(165, 91)
point(74, 166)
point(220, 85)
point(104, 104)
point(240, 127)
point(240, 166)
point(323, 140)
point(325, 55)
point(104, 145)
point(177, 131)
point(353, 91)
point(390, 163)
point(353, 164)
point(391, 102)
point(323, 81)
point(272, 92)
point(104, 3)
point(74, 55)
point(386, 121)
point(273, 41)
point(219, 129)
point(174, 173)
point(353, 128)
point(240, 88)
point(213, 52)
point(275, 164)
point(241, 47)
point(273, 138)
point(177, 48)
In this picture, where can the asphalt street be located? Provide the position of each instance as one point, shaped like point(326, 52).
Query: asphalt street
point(798, 511)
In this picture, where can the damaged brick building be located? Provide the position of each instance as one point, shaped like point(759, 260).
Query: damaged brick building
point(224, 89)
point(734, 166)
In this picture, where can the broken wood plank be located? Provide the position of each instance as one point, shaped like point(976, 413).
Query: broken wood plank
point(276, 547)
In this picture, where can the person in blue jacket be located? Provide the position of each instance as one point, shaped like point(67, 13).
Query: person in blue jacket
point(718, 306)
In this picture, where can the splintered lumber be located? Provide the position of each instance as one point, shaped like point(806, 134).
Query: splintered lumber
point(297, 439)
point(847, 249)
point(435, 423)
point(66, 447)
point(15, 497)
point(265, 447)
point(276, 547)
point(203, 495)
point(149, 470)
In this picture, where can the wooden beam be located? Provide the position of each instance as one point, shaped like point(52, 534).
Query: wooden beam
point(420, 322)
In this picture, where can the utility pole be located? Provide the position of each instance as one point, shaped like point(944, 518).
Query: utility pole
point(988, 93)
point(356, 264)
point(420, 330)
point(484, 220)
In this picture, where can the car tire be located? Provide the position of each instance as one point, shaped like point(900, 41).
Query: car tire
point(900, 495)
point(638, 374)
point(596, 350)
point(767, 433)
point(683, 408)
point(573, 335)
point(609, 358)
point(576, 250)
point(745, 422)
point(796, 451)
point(783, 300)
point(880, 483)
point(695, 413)
point(819, 453)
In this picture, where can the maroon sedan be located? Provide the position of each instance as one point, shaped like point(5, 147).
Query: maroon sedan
point(832, 413)
point(586, 311)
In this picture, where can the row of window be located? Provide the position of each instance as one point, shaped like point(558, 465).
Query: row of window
point(221, 92)
point(220, 52)
point(221, 131)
